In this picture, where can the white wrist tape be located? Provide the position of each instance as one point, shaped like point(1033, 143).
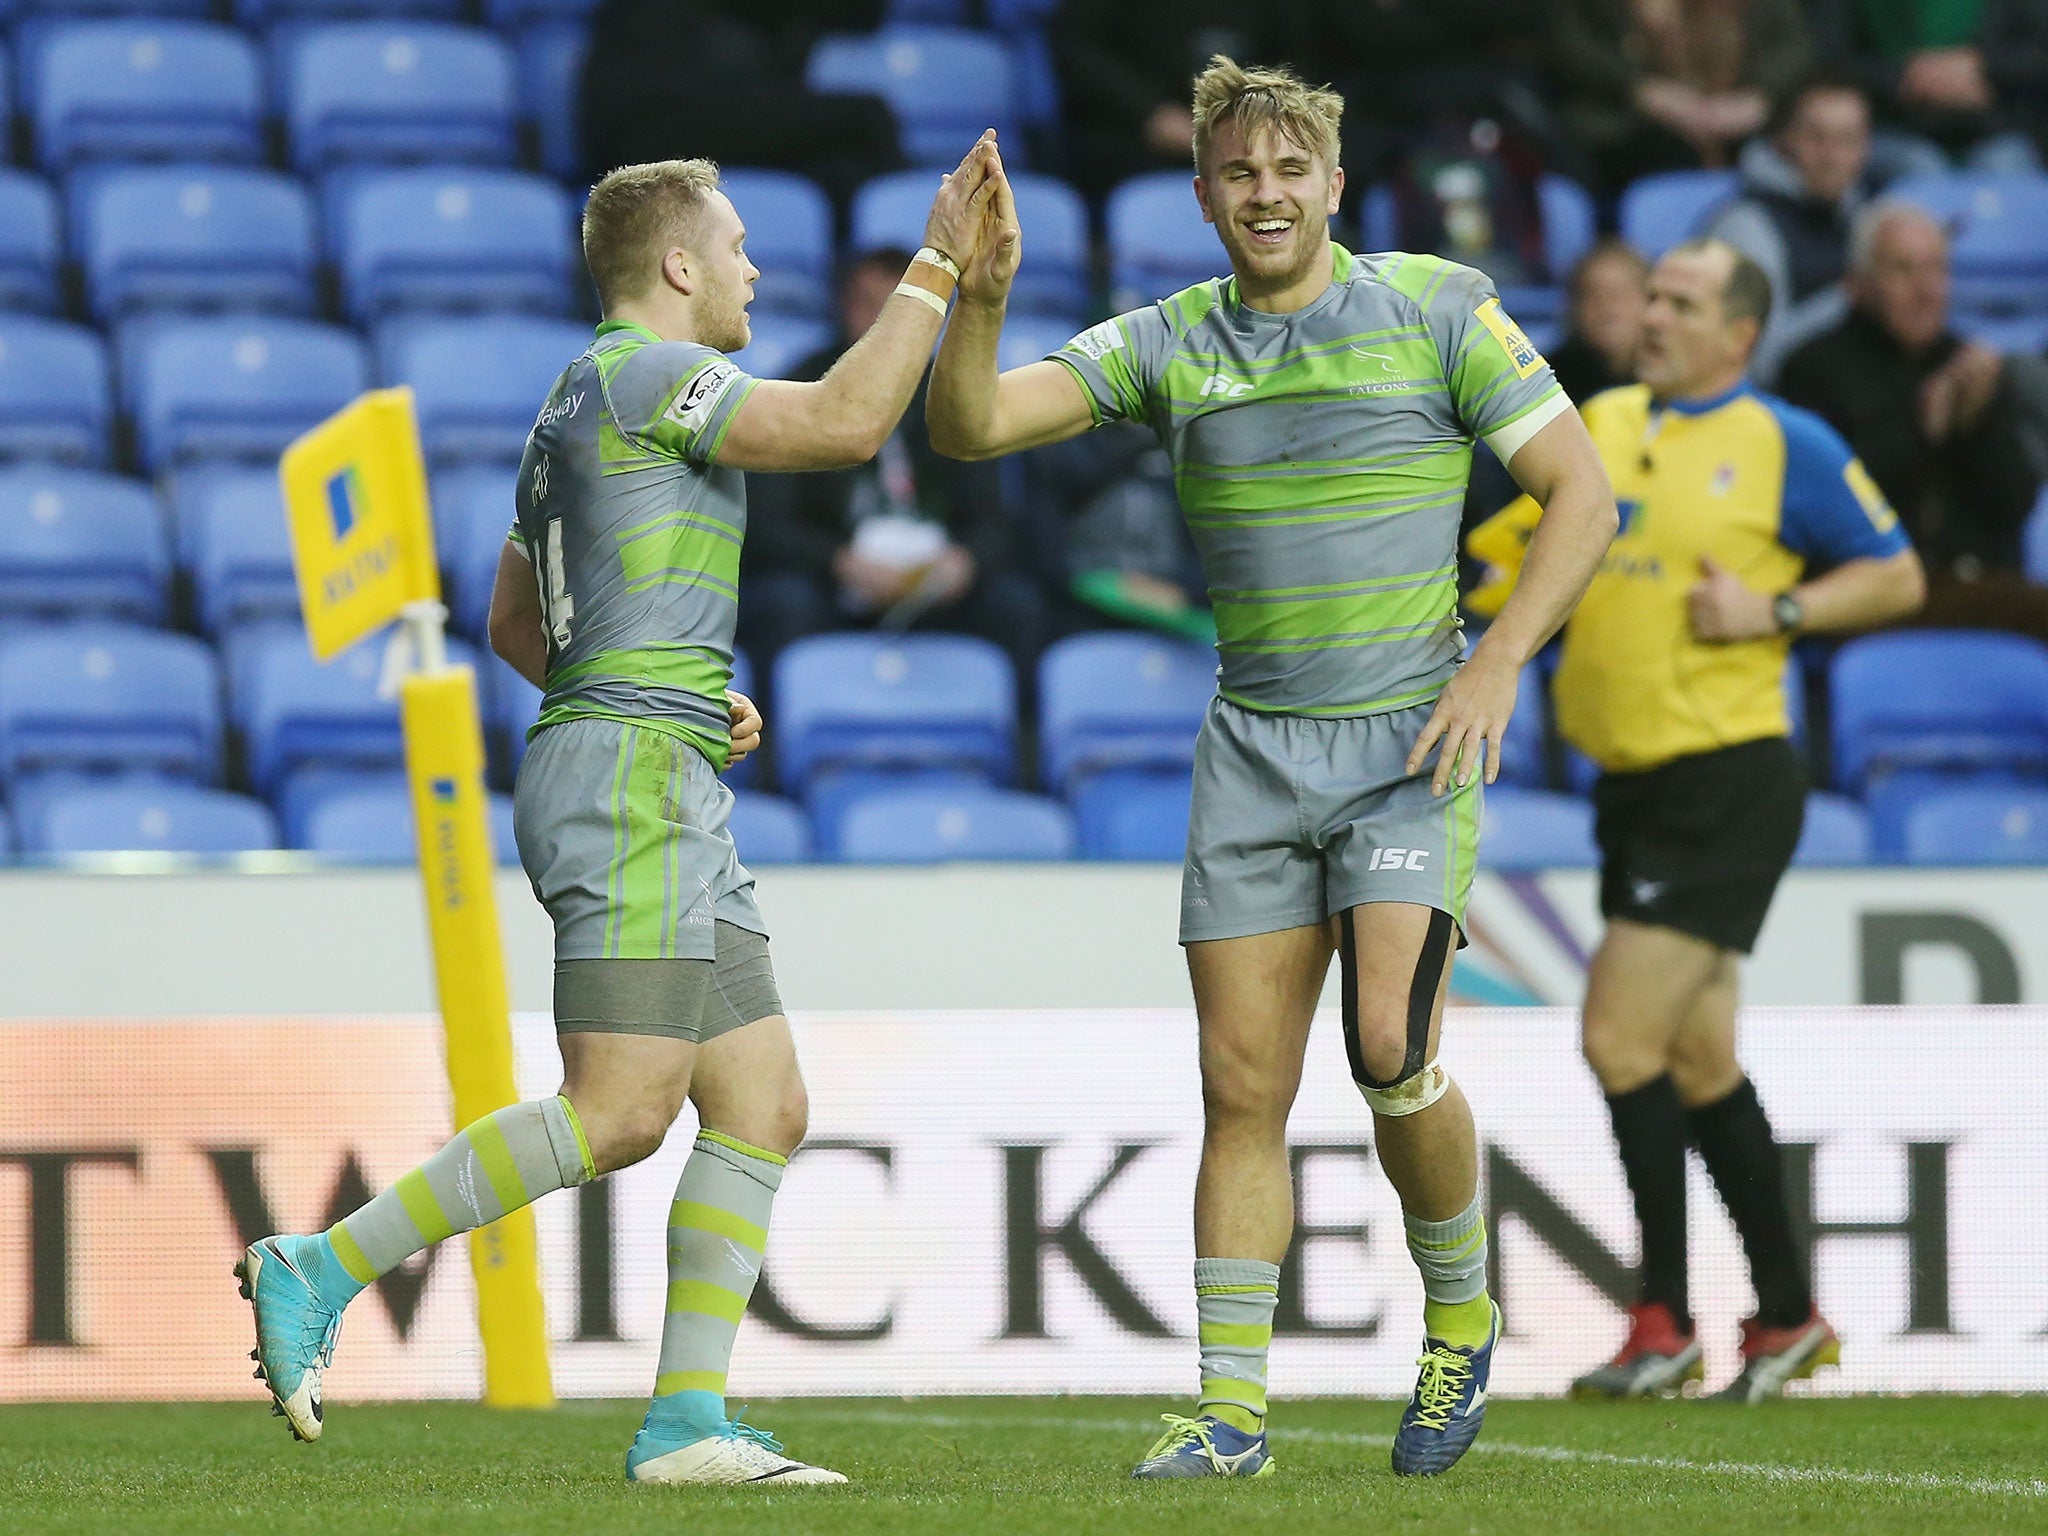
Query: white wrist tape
point(923, 296)
point(932, 256)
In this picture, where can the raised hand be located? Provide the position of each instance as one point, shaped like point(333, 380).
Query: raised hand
point(959, 212)
point(987, 278)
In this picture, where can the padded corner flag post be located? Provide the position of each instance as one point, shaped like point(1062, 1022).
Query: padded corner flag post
point(355, 492)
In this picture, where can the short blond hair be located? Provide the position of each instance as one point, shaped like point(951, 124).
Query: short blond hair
point(635, 216)
point(1266, 98)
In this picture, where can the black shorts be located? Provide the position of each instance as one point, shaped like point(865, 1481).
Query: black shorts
point(1700, 843)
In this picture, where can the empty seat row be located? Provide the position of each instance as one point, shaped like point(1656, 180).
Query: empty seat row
point(257, 13)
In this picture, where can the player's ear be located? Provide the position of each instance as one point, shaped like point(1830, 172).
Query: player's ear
point(1202, 198)
point(675, 270)
point(1336, 191)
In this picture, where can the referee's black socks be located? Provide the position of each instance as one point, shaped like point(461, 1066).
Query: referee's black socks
point(1650, 1130)
point(1734, 1138)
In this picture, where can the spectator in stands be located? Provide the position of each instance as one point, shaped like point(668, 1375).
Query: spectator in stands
point(1660, 85)
point(1800, 194)
point(1610, 290)
point(908, 539)
point(1935, 418)
point(723, 79)
point(1953, 83)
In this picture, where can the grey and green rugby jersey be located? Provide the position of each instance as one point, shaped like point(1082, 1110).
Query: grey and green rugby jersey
point(634, 533)
point(1321, 459)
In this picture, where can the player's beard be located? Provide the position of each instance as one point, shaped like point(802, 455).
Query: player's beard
point(722, 318)
point(1311, 244)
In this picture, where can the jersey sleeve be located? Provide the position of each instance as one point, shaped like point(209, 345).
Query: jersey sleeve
point(516, 537)
point(677, 399)
point(1832, 510)
point(1119, 363)
point(1501, 386)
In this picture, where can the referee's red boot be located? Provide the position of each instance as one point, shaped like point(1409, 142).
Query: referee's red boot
point(1773, 1356)
point(1657, 1358)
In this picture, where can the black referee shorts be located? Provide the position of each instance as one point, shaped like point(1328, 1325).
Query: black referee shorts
point(1700, 843)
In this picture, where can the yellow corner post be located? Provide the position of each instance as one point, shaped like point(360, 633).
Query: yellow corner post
point(355, 493)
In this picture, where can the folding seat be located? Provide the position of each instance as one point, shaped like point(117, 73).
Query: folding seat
point(36, 12)
point(928, 826)
point(911, 701)
point(473, 510)
point(1120, 699)
point(891, 209)
point(780, 343)
point(141, 89)
point(506, 15)
point(75, 542)
point(944, 84)
point(394, 90)
point(1532, 829)
point(1158, 242)
point(294, 711)
point(510, 704)
point(289, 13)
point(454, 237)
point(1570, 223)
point(1979, 824)
point(1998, 249)
point(1836, 834)
point(196, 237)
point(374, 825)
point(769, 830)
point(236, 388)
point(6, 839)
point(108, 696)
point(1661, 210)
point(241, 550)
point(1134, 813)
point(158, 816)
point(31, 247)
point(55, 401)
point(550, 82)
point(1940, 700)
point(789, 238)
point(478, 383)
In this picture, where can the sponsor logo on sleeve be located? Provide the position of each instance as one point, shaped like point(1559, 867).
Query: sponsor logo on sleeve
point(1098, 341)
point(1869, 497)
point(1520, 350)
point(695, 402)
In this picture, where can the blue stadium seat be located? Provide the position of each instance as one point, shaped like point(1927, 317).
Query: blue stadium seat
point(239, 387)
point(1028, 338)
point(510, 705)
point(2014, 335)
point(780, 342)
point(2035, 536)
point(31, 248)
point(392, 90)
point(1980, 825)
point(770, 830)
point(40, 12)
point(241, 550)
point(454, 237)
point(833, 791)
point(293, 710)
point(1999, 246)
point(55, 401)
point(1659, 211)
point(789, 238)
point(478, 382)
point(143, 90)
point(1158, 240)
point(108, 696)
point(473, 511)
point(1134, 813)
point(197, 237)
point(1119, 700)
point(76, 542)
point(506, 15)
point(374, 825)
point(306, 789)
point(945, 84)
point(1531, 829)
point(890, 210)
point(929, 826)
point(550, 80)
point(908, 701)
point(130, 815)
point(6, 839)
point(1935, 699)
point(1836, 834)
point(1570, 226)
point(285, 13)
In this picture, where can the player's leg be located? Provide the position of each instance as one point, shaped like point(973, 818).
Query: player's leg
point(1255, 998)
point(752, 1114)
point(1788, 1338)
point(1645, 981)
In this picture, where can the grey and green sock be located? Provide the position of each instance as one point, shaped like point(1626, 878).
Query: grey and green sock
point(1452, 1257)
point(717, 1235)
point(1234, 1301)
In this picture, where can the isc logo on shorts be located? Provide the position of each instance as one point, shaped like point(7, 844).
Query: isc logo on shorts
point(1398, 858)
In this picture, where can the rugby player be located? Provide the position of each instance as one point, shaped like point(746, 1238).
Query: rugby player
point(616, 592)
point(1320, 409)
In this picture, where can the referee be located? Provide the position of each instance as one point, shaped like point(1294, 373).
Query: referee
point(1672, 681)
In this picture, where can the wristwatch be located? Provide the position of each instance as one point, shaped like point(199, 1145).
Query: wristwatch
point(1788, 612)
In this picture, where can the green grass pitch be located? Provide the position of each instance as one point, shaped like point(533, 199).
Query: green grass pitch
point(1930, 1466)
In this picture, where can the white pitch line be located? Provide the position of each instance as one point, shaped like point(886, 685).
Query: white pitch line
point(1932, 1482)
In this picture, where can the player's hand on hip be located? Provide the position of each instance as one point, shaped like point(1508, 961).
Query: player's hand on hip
point(1471, 722)
point(986, 279)
point(1723, 608)
point(746, 726)
point(955, 223)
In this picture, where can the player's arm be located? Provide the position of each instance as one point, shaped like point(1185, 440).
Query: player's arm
point(518, 633)
point(971, 410)
point(845, 417)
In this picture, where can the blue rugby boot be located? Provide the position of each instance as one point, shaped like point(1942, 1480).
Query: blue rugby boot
point(295, 1327)
point(1449, 1405)
point(1205, 1447)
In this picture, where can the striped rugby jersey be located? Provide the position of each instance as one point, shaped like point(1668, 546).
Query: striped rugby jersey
point(635, 535)
point(1321, 459)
